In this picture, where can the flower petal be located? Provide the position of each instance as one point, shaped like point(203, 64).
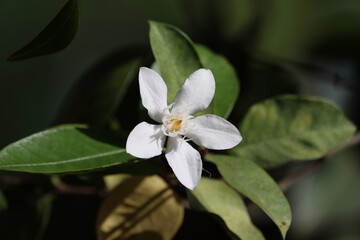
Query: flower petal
point(145, 140)
point(153, 93)
point(196, 93)
point(213, 132)
point(185, 161)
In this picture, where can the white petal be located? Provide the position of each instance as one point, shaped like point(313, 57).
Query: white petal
point(213, 132)
point(196, 93)
point(153, 93)
point(185, 161)
point(145, 140)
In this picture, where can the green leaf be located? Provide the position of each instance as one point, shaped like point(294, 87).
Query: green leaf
point(252, 181)
point(216, 197)
point(227, 83)
point(177, 57)
point(288, 128)
point(56, 36)
point(98, 95)
point(64, 149)
point(175, 54)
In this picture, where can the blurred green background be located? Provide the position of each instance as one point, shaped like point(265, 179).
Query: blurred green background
point(277, 46)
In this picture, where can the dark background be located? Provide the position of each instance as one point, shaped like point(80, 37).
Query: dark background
point(277, 46)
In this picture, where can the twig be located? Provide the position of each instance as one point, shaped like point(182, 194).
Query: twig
point(286, 183)
point(64, 188)
point(9, 180)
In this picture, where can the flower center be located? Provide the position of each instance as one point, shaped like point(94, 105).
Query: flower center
point(176, 124)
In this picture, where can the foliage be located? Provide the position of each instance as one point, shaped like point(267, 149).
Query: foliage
point(276, 131)
point(55, 37)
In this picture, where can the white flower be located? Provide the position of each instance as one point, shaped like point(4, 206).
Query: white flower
point(210, 131)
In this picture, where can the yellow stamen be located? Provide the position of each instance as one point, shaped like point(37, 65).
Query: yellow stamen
point(176, 124)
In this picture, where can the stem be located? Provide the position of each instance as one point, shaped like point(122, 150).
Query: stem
point(64, 188)
point(286, 183)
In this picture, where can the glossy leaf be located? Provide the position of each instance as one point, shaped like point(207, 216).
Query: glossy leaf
point(140, 208)
point(252, 181)
point(96, 97)
point(175, 54)
point(55, 37)
point(217, 197)
point(177, 57)
point(227, 82)
point(288, 128)
point(64, 149)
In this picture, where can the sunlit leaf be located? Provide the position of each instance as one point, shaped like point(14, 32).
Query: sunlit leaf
point(113, 180)
point(55, 37)
point(175, 54)
point(64, 149)
point(227, 83)
point(216, 197)
point(140, 208)
point(252, 181)
point(288, 128)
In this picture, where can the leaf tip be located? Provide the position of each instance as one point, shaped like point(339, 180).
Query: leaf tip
point(152, 23)
point(16, 56)
point(11, 58)
point(284, 227)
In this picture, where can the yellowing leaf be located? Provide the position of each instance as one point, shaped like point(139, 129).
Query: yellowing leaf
point(140, 208)
point(112, 181)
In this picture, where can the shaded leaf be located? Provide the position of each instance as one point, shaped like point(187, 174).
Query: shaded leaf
point(218, 198)
point(95, 99)
point(140, 208)
point(64, 149)
point(210, 227)
point(44, 207)
point(234, 17)
point(252, 181)
point(27, 214)
point(288, 128)
point(135, 167)
point(262, 80)
point(175, 54)
point(72, 217)
point(227, 82)
point(55, 37)
point(3, 202)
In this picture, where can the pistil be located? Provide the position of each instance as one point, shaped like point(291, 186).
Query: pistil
point(176, 124)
